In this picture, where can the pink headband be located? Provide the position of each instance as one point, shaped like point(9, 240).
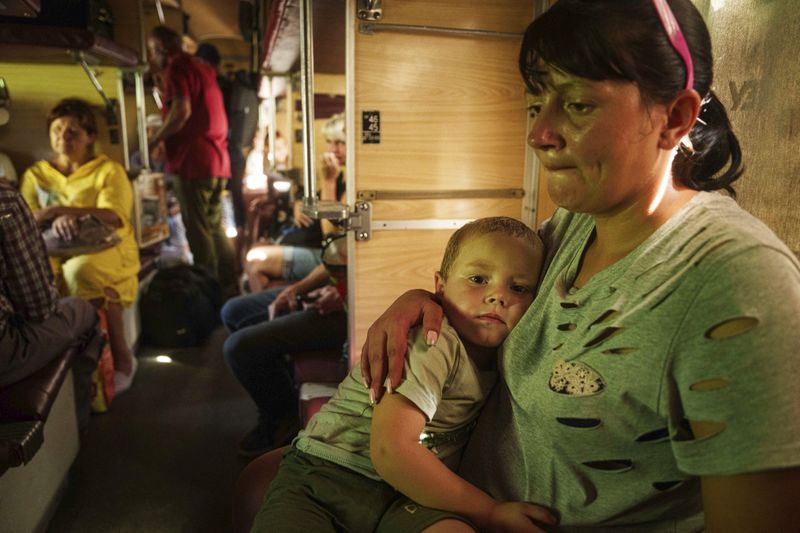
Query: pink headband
point(676, 38)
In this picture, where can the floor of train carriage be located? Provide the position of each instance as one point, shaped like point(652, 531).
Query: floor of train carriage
point(163, 458)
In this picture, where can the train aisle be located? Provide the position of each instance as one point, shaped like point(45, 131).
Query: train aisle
point(163, 459)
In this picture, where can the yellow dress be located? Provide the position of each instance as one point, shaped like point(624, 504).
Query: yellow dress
point(100, 183)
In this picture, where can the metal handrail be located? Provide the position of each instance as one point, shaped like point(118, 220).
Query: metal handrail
point(307, 98)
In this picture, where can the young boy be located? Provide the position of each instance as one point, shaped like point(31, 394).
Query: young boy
point(390, 468)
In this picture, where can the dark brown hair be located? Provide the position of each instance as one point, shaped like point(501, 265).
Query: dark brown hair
point(168, 37)
point(76, 108)
point(625, 40)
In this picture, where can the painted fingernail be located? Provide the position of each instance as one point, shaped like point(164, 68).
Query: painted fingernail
point(432, 337)
point(371, 397)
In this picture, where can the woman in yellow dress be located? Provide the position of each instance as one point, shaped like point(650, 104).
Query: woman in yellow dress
point(74, 183)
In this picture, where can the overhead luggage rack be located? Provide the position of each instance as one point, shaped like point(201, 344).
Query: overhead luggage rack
point(53, 44)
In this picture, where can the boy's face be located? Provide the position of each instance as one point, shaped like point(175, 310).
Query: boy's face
point(489, 287)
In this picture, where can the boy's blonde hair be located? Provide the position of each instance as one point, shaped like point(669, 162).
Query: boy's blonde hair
point(485, 226)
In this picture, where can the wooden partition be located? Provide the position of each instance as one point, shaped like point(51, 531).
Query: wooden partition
point(452, 118)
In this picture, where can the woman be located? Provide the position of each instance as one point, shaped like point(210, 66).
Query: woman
point(651, 385)
point(299, 251)
point(74, 183)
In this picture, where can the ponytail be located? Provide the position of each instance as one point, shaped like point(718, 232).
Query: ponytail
point(713, 147)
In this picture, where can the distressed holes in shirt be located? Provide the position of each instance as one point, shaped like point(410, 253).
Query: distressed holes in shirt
point(692, 239)
point(654, 436)
point(702, 429)
point(604, 335)
point(607, 315)
point(709, 384)
point(704, 252)
point(666, 485)
point(619, 351)
point(705, 429)
point(662, 299)
point(683, 431)
point(611, 465)
point(567, 327)
point(575, 379)
point(580, 423)
point(569, 305)
point(731, 328)
point(558, 347)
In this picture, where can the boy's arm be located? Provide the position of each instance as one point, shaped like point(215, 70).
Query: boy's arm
point(415, 471)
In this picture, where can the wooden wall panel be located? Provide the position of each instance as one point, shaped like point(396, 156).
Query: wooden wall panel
point(452, 112)
point(453, 117)
point(393, 261)
point(34, 90)
point(497, 15)
point(445, 209)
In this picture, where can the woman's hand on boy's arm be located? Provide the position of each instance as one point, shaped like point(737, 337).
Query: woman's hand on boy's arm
point(415, 471)
point(518, 517)
point(385, 348)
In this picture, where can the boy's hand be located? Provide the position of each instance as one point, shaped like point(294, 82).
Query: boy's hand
point(384, 350)
point(519, 517)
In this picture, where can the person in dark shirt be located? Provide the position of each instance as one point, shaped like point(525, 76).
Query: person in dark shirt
point(35, 325)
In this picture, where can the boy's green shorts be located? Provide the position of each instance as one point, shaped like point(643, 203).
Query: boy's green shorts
point(310, 495)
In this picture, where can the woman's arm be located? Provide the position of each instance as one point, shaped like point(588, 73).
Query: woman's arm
point(327, 192)
point(386, 343)
point(65, 219)
point(415, 471)
point(762, 501)
point(106, 215)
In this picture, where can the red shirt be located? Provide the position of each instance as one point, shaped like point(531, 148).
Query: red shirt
point(200, 148)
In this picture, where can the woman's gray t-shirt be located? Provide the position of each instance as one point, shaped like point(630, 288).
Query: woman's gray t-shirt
point(599, 383)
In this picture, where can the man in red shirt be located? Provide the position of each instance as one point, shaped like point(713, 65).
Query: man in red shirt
point(195, 133)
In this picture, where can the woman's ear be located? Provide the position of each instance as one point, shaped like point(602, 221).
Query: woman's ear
point(438, 282)
point(681, 116)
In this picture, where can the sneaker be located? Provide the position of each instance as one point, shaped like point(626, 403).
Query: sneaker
point(257, 441)
point(122, 381)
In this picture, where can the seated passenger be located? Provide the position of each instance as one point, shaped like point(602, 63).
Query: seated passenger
point(35, 325)
point(299, 247)
point(258, 342)
point(76, 182)
point(392, 469)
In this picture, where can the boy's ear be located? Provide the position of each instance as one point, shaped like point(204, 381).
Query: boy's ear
point(681, 116)
point(438, 282)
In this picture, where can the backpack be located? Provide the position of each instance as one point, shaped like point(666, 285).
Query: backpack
point(180, 307)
